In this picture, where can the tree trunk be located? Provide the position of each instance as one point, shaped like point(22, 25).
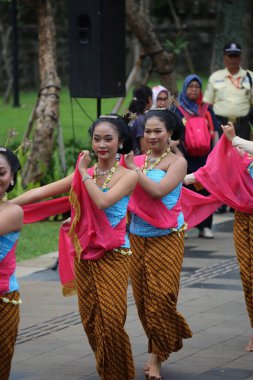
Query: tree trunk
point(179, 27)
point(229, 16)
point(162, 61)
point(6, 35)
point(247, 33)
point(47, 109)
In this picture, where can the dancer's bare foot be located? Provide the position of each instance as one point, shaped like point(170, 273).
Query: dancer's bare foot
point(249, 346)
point(154, 367)
point(146, 369)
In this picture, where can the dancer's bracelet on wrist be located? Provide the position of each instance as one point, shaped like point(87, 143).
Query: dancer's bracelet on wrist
point(85, 177)
point(136, 169)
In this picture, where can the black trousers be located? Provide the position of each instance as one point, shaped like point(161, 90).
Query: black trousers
point(242, 126)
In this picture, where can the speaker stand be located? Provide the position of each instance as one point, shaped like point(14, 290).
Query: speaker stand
point(98, 107)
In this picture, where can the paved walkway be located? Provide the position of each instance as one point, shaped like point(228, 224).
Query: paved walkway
point(52, 345)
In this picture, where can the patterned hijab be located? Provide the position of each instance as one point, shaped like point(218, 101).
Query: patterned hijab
point(190, 105)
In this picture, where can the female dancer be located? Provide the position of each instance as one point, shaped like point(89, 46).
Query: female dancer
point(243, 230)
point(157, 239)
point(191, 106)
point(11, 220)
point(99, 198)
point(236, 191)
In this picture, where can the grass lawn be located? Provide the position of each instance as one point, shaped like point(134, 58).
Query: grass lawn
point(17, 117)
point(37, 239)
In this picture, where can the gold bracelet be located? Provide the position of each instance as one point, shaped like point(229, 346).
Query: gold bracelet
point(85, 177)
point(136, 169)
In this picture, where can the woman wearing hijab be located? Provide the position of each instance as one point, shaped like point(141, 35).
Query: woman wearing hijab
point(191, 105)
point(160, 98)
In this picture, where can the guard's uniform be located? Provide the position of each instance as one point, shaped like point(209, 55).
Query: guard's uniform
point(231, 97)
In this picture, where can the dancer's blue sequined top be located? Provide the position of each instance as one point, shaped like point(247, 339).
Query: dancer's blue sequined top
point(6, 244)
point(139, 227)
point(116, 213)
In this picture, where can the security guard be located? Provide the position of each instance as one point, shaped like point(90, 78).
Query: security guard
point(230, 92)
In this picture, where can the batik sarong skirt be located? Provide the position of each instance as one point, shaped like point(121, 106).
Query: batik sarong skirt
point(243, 238)
point(102, 297)
point(155, 270)
point(9, 320)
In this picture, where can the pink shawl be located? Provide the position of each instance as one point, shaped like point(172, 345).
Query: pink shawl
point(225, 177)
point(91, 232)
point(42, 210)
point(7, 268)
point(153, 211)
point(195, 207)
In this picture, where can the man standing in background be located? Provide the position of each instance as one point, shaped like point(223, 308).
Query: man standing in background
point(230, 92)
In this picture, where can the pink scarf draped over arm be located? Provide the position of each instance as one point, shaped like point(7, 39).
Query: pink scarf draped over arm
point(195, 207)
point(153, 211)
point(225, 177)
point(91, 232)
point(89, 235)
point(42, 210)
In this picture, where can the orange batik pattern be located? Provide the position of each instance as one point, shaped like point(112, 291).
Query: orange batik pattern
point(102, 297)
point(9, 320)
point(243, 238)
point(155, 270)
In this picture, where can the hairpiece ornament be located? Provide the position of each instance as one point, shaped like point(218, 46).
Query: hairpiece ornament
point(11, 134)
point(108, 116)
point(157, 109)
point(130, 115)
point(173, 102)
point(24, 144)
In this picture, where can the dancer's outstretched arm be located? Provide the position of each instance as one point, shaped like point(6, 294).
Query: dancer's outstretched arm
point(34, 195)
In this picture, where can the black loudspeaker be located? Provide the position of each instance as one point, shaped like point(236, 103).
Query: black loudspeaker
point(97, 48)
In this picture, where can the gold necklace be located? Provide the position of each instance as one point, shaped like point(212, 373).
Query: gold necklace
point(4, 198)
point(157, 161)
point(102, 173)
point(109, 177)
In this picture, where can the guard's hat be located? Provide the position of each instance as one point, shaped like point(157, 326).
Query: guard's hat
point(232, 48)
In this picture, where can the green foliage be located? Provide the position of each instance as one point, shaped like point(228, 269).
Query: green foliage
point(175, 46)
point(72, 149)
point(17, 117)
point(160, 9)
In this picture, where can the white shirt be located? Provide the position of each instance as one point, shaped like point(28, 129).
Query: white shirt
point(230, 95)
